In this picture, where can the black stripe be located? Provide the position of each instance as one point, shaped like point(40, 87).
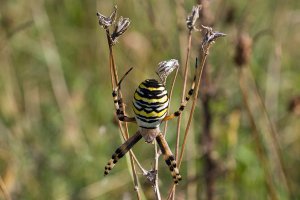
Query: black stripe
point(147, 105)
point(151, 118)
point(155, 109)
point(148, 119)
point(150, 94)
point(152, 103)
point(152, 83)
point(181, 108)
point(151, 127)
point(168, 161)
point(177, 113)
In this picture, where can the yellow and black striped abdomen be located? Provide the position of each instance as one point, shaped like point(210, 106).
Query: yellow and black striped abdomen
point(150, 103)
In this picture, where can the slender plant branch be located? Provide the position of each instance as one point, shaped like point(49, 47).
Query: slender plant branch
point(258, 143)
point(186, 69)
point(190, 116)
point(275, 142)
point(170, 99)
point(156, 185)
point(4, 190)
point(125, 134)
point(208, 39)
point(182, 98)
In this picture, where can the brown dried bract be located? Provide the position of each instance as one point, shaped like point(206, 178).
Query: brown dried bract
point(243, 50)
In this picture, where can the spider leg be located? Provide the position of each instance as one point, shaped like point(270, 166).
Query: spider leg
point(187, 98)
point(168, 157)
point(118, 101)
point(121, 151)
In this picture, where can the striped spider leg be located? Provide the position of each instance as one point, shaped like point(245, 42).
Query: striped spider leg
point(128, 144)
point(168, 157)
point(187, 98)
point(118, 101)
point(121, 151)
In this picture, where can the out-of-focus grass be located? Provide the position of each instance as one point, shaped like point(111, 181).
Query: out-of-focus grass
point(48, 152)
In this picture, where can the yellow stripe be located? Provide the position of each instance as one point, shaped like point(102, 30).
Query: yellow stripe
point(151, 88)
point(159, 100)
point(151, 114)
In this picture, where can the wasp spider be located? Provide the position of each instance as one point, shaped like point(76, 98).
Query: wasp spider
point(150, 105)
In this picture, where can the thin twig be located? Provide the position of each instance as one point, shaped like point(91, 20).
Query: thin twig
point(258, 143)
point(190, 116)
point(209, 38)
point(125, 134)
point(186, 69)
point(4, 189)
point(275, 142)
point(156, 186)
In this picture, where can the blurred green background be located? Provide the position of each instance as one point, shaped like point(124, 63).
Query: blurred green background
point(57, 127)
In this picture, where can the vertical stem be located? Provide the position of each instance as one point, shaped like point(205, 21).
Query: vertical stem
point(207, 140)
point(156, 186)
point(183, 90)
point(4, 190)
point(202, 64)
point(182, 98)
point(258, 143)
point(125, 134)
point(274, 139)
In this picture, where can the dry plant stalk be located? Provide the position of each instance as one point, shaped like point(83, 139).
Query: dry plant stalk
point(4, 190)
point(120, 28)
point(207, 41)
point(191, 26)
point(242, 59)
point(258, 143)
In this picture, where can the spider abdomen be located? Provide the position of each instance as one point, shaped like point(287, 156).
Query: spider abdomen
point(150, 103)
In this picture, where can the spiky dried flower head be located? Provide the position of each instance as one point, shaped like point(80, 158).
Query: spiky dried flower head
point(120, 28)
point(243, 50)
point(165, 68)
point(210, 37)
point(192, 17)
point(106, 22)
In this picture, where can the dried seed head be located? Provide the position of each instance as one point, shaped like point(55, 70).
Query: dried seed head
point(294, 105)
point(151, 176)
point(210, 37)
point(165, 68)
point(106, 22)
point(121, 27)
point(192, 18)
point(243, 50)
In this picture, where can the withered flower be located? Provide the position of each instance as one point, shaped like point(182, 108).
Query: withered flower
point(210, 36)
point(120, 28)
point(106, 22)
point(165, 68)
point(192, 18)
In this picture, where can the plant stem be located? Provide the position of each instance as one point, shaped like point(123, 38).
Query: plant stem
point(4, 190)
point(258, 143)
point(274, 139)
point(156, 186)
point(198, 80)
point(125, 134)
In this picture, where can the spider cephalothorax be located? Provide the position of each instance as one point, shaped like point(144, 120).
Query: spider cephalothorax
point(150, 105)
